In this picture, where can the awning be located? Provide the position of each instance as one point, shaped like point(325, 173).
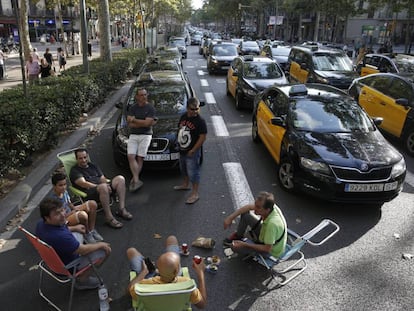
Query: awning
point(8, 21)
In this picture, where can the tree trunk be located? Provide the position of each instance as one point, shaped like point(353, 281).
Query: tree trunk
point(316, 31)
point(24, 29)
point(104, 31)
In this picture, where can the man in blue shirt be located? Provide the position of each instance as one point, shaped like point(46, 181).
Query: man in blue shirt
point(53, 230)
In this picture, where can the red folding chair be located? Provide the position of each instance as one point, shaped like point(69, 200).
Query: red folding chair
point(52, 265)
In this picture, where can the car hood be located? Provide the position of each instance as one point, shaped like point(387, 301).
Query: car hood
point(348, 149)
point(340, 75)
point(261, 84)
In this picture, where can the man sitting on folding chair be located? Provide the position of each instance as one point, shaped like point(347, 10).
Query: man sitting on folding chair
point(53, 230)
point(268, 233)
point(168, 265)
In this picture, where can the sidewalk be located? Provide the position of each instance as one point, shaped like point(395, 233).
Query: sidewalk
point(13, 67)
point(20, 195)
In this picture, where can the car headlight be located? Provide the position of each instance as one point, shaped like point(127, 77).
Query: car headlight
point(315, 166)
point(319, 79)
point(251, 92)
point(398, 169)
point(213, 59)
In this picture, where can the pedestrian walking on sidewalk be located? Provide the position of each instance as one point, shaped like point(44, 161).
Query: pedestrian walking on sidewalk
point(2, 67)
point(32, 71)
point(61, 58)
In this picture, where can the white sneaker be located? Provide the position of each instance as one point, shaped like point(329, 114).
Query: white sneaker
point(97, 236)
point(89, 239)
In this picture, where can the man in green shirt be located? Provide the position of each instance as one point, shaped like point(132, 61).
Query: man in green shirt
point(268, 231)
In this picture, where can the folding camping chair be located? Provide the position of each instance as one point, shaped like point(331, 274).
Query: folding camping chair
point(293, 249)
point(52, 265)
point(68, 160)
point(161, 297)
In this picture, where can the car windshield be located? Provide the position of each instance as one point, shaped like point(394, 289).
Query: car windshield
point(332, 62)
point(250, 44)
point(166, 99)
point(329, 115)
point(280, 51)
point(260, 70)
point(177, 42)
point(225, 50)
point(404, 63)
point(161, 66)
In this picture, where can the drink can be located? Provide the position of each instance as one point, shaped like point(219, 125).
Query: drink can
point(197, 259)
point(184, 248)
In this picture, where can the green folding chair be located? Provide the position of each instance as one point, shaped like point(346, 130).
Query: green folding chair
point(161, 297)
point(68, 160)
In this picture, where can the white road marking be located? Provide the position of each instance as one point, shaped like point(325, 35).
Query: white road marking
point(200, 72)
point(240, 191)
point(209, 98)
point(190, 66)
point(219, 126)
point(204, 82)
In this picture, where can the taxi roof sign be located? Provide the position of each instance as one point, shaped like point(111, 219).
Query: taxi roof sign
point(298, 90)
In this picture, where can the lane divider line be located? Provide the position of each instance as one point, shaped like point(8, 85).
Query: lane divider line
point(200, 72)
point(209, 98)
point(240, 191)
point(204, 82)
point(219, 126)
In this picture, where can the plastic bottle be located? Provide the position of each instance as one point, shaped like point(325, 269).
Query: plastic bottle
point(103, 298)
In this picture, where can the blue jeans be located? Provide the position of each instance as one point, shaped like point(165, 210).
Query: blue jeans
point(190, 166)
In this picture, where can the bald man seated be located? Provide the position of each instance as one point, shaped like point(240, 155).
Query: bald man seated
point(169, 270)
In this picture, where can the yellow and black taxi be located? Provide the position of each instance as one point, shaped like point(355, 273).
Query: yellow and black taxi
point(168, 92)
point(318, 64)
point(326, 145)
point(250, 74)
point(401, 64)
point(390, 97)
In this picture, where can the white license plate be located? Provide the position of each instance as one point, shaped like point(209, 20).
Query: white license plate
point(371, 187)
point(175, 156)
point(225, 67)
point(157, 157)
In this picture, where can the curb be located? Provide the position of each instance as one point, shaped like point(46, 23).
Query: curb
point(20, 195)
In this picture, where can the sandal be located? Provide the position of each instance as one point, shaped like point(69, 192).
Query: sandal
point(192, 199)
point(124, 214)
point(113, 223)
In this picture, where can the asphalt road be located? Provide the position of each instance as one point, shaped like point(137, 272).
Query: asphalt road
point(361, 268)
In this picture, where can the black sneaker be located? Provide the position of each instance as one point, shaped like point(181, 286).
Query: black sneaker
point(229, 241)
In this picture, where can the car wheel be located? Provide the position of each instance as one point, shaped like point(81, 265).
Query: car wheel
point(239, 100)
point(409, 141)
point(255, 131)
point(286, 174)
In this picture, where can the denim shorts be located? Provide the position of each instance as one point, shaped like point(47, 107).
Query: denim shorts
point(190, 166)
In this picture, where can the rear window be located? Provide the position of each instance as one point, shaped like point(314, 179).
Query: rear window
point(332, 62)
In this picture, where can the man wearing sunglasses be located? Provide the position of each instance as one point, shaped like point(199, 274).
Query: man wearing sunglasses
point(192, 132)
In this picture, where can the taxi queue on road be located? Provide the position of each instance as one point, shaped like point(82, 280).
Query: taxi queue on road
point(324, 129)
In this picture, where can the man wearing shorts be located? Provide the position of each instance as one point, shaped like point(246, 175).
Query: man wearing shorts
point(140, 118)
point(90, 179)
point(168, 265)
point(53, 230)
point(80, 218)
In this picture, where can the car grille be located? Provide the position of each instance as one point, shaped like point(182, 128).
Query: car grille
point(224, 63)
point(353, 174)
point(158, 145)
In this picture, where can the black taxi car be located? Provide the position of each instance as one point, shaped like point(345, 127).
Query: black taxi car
point(250, 74)
point(169, 92)
point(220, 56)
point(390, 97)
point(319, 64)
point(326, 145)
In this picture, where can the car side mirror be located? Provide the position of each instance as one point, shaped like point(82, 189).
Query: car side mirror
point(118, 105)
point(402, 101)
point(303, 66)
point(377, 121)
point(278, 121)
point(202, 103)
point(235, 73)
